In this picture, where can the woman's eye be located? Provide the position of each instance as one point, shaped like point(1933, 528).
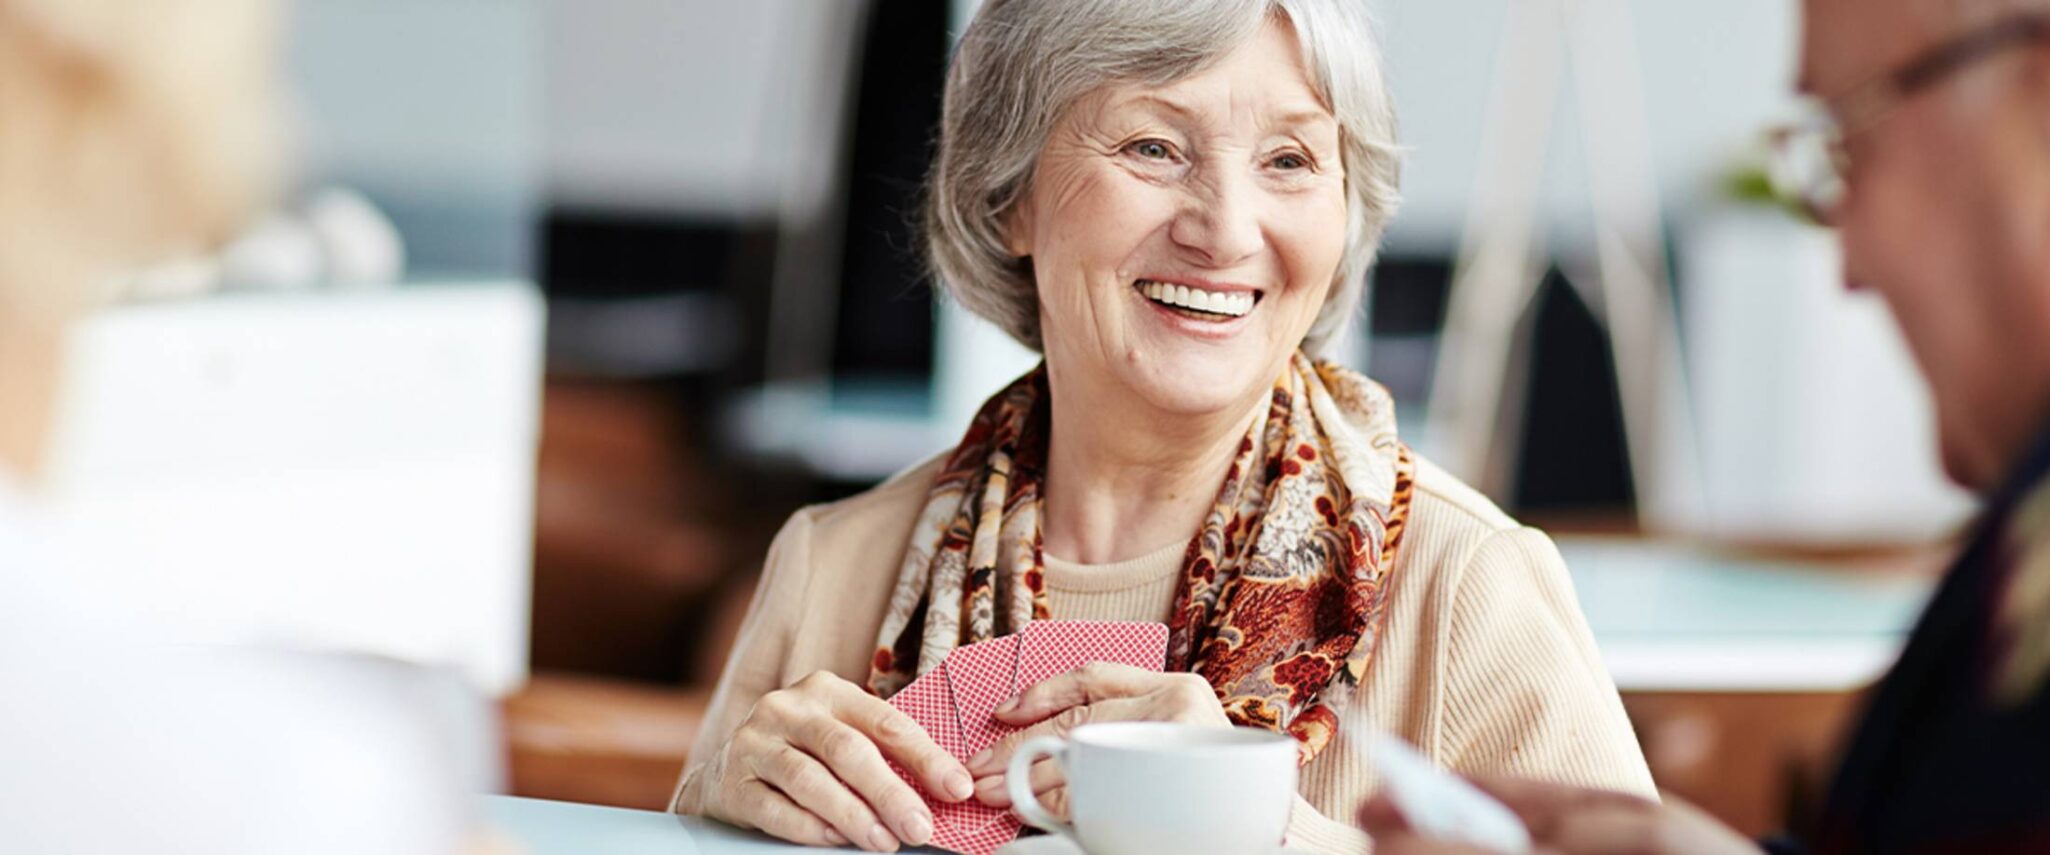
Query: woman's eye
point(1290, 160)
point(1152, 149)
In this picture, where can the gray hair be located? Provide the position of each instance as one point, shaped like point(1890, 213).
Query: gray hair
point(1023, 62)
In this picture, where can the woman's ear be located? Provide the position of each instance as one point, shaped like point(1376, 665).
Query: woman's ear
point(1017, 228)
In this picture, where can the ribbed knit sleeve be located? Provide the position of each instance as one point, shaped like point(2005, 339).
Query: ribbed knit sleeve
point(760, 654)
point(1525, 692)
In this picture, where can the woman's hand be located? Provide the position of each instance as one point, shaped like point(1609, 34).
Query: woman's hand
point(808, 766)
point(1573, 821)
point(1097, 692)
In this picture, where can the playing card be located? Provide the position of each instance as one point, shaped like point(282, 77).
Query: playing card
point(1054, 647)
point(983, 675)
point(969, 827)
point(958, 829)
point(956, 702)
point(1441, 806)
point(928, 701)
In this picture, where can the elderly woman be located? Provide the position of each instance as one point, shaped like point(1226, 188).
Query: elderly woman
point(1174, 202)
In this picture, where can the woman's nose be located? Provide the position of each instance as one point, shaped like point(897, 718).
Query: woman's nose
point(1220, 226)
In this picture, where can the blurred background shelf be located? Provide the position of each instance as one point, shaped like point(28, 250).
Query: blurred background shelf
point(1679, 618)
point(1740, 668)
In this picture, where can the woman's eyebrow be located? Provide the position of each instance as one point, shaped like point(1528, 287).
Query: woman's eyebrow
point(1296, 117)
point(1163, 102)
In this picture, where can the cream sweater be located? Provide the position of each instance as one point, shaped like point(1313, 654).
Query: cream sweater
point(1485, 663)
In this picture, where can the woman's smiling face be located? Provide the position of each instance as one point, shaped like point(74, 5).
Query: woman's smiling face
point(1184, 237)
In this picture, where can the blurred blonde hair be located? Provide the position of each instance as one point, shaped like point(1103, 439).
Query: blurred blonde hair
point(130, 131)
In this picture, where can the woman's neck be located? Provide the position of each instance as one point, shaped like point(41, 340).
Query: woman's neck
point(1124, 479)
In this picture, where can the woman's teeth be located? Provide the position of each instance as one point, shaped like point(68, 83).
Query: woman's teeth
point(1230, 305)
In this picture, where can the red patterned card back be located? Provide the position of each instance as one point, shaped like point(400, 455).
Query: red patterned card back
point(968, 827)
point(927, 701)
point(983, 675)
point(955, 702)
point(1052, 647)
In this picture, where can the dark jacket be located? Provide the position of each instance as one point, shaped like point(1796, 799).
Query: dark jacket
point(1953, 753)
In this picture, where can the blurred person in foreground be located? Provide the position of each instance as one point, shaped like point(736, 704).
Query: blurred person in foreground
point(1932, 148)
point(132, 131)
point(1175, 203)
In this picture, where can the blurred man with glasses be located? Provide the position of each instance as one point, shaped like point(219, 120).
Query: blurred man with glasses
point(1929, 152)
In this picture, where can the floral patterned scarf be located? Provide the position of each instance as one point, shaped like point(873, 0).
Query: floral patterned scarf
point(1284, 588)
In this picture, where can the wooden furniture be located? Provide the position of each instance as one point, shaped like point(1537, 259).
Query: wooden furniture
point(601, 741)
point(1753, 759)
point(645, 556)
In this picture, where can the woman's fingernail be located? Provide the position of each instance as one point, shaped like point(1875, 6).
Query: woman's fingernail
point(991, 791)
point(917, 830)
point(959, 785)
point(981, 760)
point(881, 838)
point(1007, 706)
point(834, 837)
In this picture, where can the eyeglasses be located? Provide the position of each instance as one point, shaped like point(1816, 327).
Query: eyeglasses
point(1809, 161)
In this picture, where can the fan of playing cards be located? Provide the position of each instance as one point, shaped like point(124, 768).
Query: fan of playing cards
point(957, 699)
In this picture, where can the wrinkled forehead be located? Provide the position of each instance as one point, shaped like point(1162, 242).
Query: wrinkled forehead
point(1266, 74)
point(1186, 59)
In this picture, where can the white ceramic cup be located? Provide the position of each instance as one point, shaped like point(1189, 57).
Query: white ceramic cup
point(1136, 788)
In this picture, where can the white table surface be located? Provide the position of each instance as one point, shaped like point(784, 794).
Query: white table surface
point(563, 828)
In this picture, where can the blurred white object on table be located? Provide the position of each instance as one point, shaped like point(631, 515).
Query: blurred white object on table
point(1814, 424)
point(362, 247)
point(348, 471)
point(117, 741)
point(336, 238)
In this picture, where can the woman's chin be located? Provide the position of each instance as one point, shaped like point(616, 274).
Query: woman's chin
point(1198, 383)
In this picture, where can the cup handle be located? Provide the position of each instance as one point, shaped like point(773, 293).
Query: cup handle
point(1018, 779)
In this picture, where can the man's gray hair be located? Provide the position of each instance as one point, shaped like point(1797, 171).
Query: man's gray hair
point(1023, 62)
